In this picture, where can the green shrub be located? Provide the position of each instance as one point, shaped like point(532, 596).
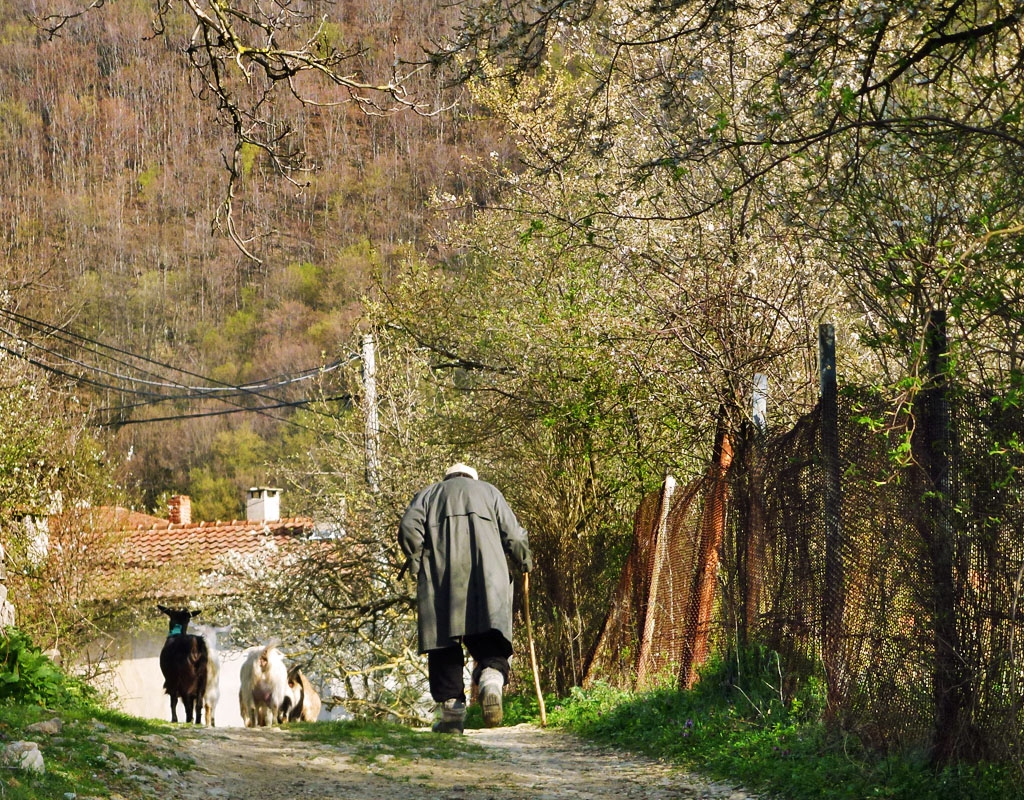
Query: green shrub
point(27, 676)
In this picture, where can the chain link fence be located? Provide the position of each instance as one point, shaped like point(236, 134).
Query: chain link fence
point(897, 581)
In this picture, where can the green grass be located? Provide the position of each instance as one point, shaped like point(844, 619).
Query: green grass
point(765, 745)
point(370, 739)
point(87, 755)
point(516, 709)
point(82, 759)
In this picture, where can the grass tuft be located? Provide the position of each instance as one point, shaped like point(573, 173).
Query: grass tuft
point(369, 738)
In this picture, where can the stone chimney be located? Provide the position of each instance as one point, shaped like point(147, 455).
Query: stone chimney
point(179, 509)
point(263, 504)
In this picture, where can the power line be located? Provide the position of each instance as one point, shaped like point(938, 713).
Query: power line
point(48, 368)
point(76, 340)
point(266, 383)
point(220, 390)
point(51, 368)
point(296, 404)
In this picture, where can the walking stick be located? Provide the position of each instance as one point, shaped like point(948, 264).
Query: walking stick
point(533, 651)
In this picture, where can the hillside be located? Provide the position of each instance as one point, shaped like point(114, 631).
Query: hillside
point(114, 229)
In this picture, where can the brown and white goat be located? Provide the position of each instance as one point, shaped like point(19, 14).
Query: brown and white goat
point(183, 662)
point(264, 686)
point(303, 702)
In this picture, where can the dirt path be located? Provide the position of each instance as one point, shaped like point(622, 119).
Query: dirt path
point(511, 763)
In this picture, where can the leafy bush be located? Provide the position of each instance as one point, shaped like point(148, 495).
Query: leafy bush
point(28, 676)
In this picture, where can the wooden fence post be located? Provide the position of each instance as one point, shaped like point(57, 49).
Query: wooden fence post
point(753, 555)
point(931, 445)
point(647, 660)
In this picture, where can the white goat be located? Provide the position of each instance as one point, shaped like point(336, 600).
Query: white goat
point(212, 696)
point(264, 686)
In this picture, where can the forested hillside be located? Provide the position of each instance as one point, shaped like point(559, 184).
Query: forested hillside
point(115, 176)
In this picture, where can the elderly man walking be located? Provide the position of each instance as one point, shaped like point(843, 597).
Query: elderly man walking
point(456, 534)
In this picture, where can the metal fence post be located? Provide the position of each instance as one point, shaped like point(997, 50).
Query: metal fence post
point(833, 594)
point(931, 444)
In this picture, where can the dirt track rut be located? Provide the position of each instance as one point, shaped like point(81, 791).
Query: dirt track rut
point(522, 761)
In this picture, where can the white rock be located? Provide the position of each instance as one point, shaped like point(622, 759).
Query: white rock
point(26, 756)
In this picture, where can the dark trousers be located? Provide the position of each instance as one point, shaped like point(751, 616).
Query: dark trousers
point(444, 666)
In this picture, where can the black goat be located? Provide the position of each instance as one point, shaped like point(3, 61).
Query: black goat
point(183, 663)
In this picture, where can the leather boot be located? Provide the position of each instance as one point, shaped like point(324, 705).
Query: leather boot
point(453, 717)
point(492, 684)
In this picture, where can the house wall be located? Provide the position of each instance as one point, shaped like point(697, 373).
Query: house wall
point(137, 683)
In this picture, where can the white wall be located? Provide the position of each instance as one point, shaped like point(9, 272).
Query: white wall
point(137, 683)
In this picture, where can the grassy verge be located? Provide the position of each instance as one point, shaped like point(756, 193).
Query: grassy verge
point(90, 756)
point(767, 746)
point(90, 751)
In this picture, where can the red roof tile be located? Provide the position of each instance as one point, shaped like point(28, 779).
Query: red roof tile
point(150, 546)
point(205, 542)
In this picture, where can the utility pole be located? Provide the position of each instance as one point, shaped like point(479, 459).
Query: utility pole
point(372, 433)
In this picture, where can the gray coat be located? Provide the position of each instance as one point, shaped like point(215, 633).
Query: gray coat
point(455, 535)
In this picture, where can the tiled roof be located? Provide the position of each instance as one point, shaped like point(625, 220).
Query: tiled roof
point(115, 518)
point(167, 557)
point(203, 543)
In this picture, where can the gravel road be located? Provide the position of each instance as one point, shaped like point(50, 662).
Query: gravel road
point(509, 763)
